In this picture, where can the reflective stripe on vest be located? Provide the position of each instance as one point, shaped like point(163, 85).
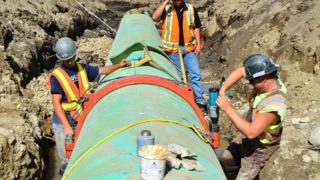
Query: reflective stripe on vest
point(274, 102)
point(73, 93)
point(170, 29)
point(84, 83)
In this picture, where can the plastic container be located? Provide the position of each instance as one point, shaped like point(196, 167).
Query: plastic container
point(145, 138)
point(153, 162)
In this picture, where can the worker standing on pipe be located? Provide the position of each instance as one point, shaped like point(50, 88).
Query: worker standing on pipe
point(68, 85)
point(263, 125)
point(181, 30)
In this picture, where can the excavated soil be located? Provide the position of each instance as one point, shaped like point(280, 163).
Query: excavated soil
point(287, 30)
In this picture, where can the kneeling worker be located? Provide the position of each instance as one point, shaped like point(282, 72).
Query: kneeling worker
point(263, 126)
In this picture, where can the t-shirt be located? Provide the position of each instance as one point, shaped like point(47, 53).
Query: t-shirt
point(92, 73)
point(197, 21)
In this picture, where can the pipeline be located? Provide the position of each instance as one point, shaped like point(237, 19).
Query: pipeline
point(148, 95)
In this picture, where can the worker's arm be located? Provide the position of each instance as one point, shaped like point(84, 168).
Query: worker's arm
point(56, 101)
point(250, 129)
point(110, 69)
point(158, 13)
point(234, 77)
point(197, 35)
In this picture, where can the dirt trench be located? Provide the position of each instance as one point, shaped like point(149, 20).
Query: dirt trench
point(232, 29)
point(26, 57)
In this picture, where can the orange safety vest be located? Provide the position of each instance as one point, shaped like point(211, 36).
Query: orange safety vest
point(73, 93)
point(171, 31)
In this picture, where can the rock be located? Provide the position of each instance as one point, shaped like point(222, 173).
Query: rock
point(314, 138)
point(305, 120)
point(307, 65)
point(18, 148)
point(314, 155)
point(3, 142)
point(211, 26)
point(300, 121)
point(295, 121)
point(316, 177)
point(28, 94)
point(306, 158)
point(12, 140)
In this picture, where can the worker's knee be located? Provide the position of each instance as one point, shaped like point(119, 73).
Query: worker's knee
point(229, 165)
point(227, 160)
point(226, 157)
point(248, 171)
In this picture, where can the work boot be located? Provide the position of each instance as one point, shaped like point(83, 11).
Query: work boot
point(203, 108)
point(62, 169)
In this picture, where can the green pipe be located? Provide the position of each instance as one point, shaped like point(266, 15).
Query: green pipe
point(116, 158)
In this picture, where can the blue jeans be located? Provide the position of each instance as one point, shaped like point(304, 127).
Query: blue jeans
point(192, 66)
point(60, 137)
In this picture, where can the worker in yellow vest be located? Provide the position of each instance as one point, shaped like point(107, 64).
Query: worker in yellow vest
point(181, 30)
point(263, 126)
point(68, 84)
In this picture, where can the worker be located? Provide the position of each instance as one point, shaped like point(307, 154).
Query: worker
point(263, 126)
point(181, 29)
point(68, 83)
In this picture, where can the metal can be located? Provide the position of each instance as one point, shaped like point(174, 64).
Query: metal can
point(145, 138)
